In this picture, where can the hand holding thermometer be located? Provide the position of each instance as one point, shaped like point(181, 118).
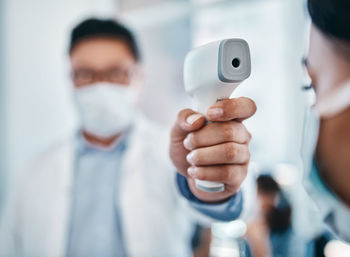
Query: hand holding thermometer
point(211, 73)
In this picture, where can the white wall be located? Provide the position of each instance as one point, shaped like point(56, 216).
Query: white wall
point(2, 107)
point(39, 110)
point(164, 37)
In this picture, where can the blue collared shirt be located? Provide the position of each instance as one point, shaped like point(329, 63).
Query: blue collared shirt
point(95, 227)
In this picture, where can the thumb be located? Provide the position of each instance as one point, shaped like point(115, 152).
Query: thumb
point(186, 122)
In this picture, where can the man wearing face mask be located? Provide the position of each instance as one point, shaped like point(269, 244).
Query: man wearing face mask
point(326, 149)
point(111, 189)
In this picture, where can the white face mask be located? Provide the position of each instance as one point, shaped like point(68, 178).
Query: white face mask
point(334, 212)
point(105, 109)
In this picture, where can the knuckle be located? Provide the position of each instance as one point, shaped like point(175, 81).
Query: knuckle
point(231, 108)
point(228, 132)
point(230, 151)
point(201, 175)
point(249, 136)
point(226, 173)
point(232, 103)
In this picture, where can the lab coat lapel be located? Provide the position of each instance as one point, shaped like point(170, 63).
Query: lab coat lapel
point(64, 198)
point(60, 201)
point(132, 199)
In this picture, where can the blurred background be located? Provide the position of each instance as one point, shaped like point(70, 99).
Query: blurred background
point(36, 99)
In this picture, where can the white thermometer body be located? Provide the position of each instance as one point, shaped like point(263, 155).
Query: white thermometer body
point(211, 73)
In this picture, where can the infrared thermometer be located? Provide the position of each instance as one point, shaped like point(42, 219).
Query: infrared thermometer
point(211, 73)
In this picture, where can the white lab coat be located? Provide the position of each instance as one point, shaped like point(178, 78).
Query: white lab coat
point(155, 221)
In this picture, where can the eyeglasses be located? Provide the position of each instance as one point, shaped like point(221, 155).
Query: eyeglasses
point(85, 76)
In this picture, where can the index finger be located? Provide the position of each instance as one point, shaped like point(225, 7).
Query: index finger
point(232, 109)
point(186, 122)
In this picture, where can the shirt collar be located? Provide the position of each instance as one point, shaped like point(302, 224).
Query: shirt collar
point(118, 145)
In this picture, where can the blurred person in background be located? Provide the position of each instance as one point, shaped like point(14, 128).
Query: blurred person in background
point(326, 143)
point(201, 241)
point(270, 232)
point(316, 247)
point(110, 189)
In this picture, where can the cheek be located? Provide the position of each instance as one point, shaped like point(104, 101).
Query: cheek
point(325, 145)
point(333, 147)
point(333, 151)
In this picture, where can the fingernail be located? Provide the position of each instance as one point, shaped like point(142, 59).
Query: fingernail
point(189, 157)
point(187, 142)
point(191, 171)
point(193, 118)
point(215, 112)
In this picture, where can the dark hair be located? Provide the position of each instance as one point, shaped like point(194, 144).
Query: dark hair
point(96, 28)
point(278, 218)
point(332, 17)
point(266, 184)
